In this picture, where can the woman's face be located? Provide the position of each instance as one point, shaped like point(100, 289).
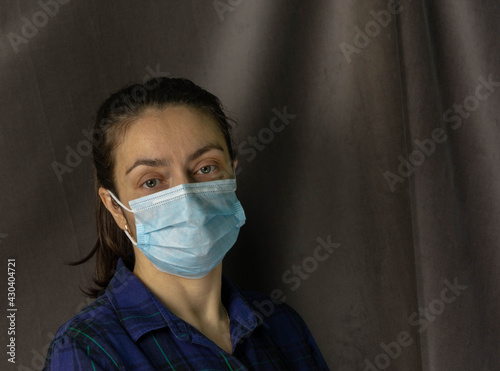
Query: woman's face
point(162, 149)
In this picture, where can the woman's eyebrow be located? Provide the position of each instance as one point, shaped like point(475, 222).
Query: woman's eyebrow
point(154, 162)
point(204, 149)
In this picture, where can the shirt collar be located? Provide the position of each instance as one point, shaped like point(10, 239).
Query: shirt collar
point(139, 311)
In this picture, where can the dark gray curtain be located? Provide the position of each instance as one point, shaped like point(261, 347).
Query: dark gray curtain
point(368, 142)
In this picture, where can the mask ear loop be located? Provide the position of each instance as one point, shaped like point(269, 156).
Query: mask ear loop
point(126, 226)
point(234, 177)
point(129, 235)
point(118, 201)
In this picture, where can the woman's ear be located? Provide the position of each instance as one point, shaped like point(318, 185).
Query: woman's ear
point(235, 164)
point(112, 207)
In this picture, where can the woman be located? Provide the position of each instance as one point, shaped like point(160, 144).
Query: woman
point(167, 214)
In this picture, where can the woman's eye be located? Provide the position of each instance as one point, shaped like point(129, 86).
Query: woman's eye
point(206, 169)
point(150, 183)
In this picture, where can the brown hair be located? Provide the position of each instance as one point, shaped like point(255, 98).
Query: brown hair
point(113, 117)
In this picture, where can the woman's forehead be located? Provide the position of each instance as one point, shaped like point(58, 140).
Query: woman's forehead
point(170, 132)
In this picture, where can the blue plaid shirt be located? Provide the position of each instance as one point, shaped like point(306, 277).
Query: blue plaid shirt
point(127, 328)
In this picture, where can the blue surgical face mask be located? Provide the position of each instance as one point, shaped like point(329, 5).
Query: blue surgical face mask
point(188, 229)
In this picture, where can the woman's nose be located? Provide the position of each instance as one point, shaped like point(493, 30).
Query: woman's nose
point(181, 177)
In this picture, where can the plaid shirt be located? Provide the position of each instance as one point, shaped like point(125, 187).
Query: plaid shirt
point(127, 328)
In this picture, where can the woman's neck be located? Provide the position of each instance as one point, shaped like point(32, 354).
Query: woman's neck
point(196, 301)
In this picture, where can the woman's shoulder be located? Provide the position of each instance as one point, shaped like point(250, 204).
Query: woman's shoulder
point(285, 326)
point(103, 316)
point(87, 330)
point(272, 308)
point(100, 310)
point(91, 323)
